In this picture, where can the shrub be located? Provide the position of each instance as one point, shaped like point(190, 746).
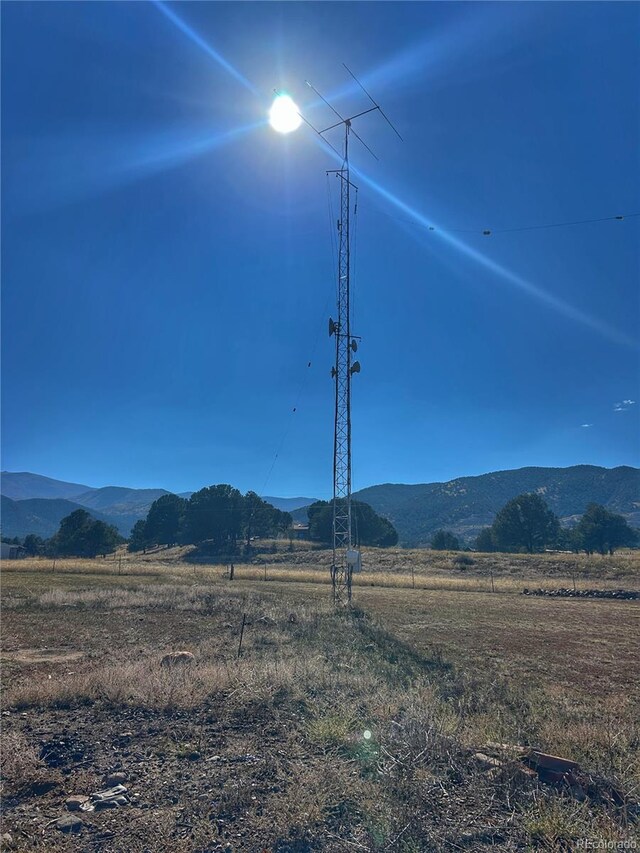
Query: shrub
point(463, 560)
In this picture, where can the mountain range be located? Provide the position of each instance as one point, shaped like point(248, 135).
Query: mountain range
point(41, 516)
point(468, 504)
point(35, 504)
point(32, 503)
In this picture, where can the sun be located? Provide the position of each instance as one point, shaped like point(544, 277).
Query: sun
point(284, 115)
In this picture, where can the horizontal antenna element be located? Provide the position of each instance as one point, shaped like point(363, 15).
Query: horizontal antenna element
point(377, 106)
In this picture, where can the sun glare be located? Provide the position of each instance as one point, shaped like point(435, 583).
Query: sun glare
point(283, 115)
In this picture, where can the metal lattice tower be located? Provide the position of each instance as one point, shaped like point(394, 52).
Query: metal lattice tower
point(346, 558)
point(341, 566)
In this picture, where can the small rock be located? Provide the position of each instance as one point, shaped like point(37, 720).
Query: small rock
point(118, 778)
point(6, 841)
point(75, 803)
point(69, 823)
point(105, 804)
point(110, 793)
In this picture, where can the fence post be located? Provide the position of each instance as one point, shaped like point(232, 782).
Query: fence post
point(244, 619)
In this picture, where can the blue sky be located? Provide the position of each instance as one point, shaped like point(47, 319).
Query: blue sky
point(166, 257)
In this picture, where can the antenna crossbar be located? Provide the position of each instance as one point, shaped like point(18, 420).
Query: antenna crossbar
point(376, 104)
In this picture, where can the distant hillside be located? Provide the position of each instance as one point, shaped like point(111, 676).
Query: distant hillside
point(464, 505)
point(118, 496)
point(41, 516)
point(289, 504)
point(118, 505)
point(467, 504)
point(22, 485)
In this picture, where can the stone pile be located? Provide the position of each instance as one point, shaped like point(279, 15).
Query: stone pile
point(567, 592)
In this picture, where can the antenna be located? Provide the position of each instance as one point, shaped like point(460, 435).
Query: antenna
point(342, 120)
point(376, 105)
point(346, 557)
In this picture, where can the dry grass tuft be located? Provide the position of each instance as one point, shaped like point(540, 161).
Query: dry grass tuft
point(22, 769)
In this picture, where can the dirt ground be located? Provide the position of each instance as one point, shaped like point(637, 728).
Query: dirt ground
point(331, 730)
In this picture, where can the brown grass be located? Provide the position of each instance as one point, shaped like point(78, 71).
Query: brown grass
point(392, 568)
point(279, 731)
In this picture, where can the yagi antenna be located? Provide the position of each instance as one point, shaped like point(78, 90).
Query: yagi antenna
point(347, 122)
point(342, 120)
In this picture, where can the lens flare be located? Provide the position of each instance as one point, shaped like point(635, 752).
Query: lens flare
point(284, 115)
point(196, 38)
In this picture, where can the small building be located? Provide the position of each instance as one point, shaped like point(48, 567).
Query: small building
point(8, 551)
point(299, 531)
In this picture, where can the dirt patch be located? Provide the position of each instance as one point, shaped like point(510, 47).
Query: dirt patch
point(30, 656)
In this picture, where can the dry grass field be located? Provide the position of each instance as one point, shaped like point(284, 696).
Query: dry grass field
point(331, 730)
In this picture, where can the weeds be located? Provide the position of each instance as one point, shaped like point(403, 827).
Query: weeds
point(331, 732)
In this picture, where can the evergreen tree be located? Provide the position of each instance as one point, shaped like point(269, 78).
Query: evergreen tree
point(33, 545)
point(603, 531)
point(525, 523)
point(282, 520)
point(484, 541)
point(368, 528)
point(569, 539)
point(258, 517)
point(138, 539)
point(444, 540)
point(165, 520)
point(80, 535)
point(214, 513)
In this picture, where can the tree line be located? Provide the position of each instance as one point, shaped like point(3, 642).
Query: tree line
point(526, 524)
point(219, 515)
point(222, 516)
